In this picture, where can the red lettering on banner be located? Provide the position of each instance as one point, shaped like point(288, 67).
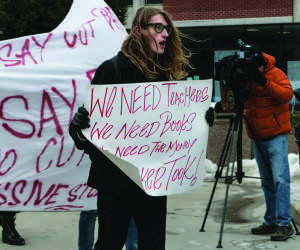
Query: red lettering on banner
point(136, 130)
point(82, 193)
point(38, 168)
point(42, 46)
point(109, 16)
point(178, 146)
point(71, 105)
point(194, 180)
point(22, 184)
point(186, 97)
point(37, 185)
point(15, 133)
point(44, 154)
point(80, 160)
point(3, 199)
point(90, 74)
point(85, 31)
point(38, 194)
point(5, 158)
point(180, 173)
point(159, 147)
point(70, 44)
point(155, 182)
point(106, 106)
point(156, 97)
point(11, 59)
point(188, 172)
point(173, 162)
point(185, 124)
point(131, 150)
point(37, 188)
point(56, 193)
point(47, 99)
point(26, 52)
point(77, 193)
point(6, 187)
point(9, 103)
point(84, 37)
point(140, 99)
point(59, 164)
point(13, 62)
point(104, 133)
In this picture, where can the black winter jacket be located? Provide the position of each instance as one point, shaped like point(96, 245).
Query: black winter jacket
point(104, 175)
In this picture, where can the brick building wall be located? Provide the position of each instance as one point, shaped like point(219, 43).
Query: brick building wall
point(227, 9)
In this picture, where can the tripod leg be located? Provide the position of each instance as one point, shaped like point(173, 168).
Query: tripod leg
point(217, 175)
point(223, 217)
point(229, 178)
point(208, 206)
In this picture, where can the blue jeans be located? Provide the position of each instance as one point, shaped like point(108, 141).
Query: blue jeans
point(277, 187)
point(86, 229)
point(132, 237)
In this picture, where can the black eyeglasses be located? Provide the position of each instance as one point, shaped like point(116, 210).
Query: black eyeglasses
point(159, 28)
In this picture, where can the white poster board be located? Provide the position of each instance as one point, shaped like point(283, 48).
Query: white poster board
point(155, 132)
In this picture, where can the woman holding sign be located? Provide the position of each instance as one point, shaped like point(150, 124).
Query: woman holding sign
point(152, 52)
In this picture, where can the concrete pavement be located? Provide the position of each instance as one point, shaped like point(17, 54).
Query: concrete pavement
point(245, 209)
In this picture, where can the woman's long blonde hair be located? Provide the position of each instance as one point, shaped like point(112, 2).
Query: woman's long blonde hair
point(173, 62)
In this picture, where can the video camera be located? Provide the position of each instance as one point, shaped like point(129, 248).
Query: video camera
point(233, 73)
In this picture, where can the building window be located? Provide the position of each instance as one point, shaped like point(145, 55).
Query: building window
point(153, 1)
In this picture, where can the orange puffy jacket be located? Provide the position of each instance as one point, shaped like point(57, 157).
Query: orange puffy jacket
point(267, 108)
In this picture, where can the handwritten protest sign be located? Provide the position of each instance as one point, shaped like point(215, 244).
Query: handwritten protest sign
point(155, 132)
point(42, 82)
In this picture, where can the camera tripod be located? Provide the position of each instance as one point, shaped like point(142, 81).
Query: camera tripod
point(232, 150)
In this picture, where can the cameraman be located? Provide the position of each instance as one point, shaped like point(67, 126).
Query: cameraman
point(267, 111)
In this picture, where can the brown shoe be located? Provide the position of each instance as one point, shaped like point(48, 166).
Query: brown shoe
point(282, 233)
point(264, 229)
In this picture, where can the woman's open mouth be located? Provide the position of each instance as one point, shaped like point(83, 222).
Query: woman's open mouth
point(162, 44)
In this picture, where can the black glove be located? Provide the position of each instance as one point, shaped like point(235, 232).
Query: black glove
point(210, 116)
point(81, 120)
point(218, 107)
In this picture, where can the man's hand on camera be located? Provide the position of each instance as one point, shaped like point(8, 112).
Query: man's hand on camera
point(260, 78)
point(210, 116)
point(257, 76)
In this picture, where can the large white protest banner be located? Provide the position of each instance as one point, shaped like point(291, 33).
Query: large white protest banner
point(161, 144)
point(42, 82)
point(155, 132)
